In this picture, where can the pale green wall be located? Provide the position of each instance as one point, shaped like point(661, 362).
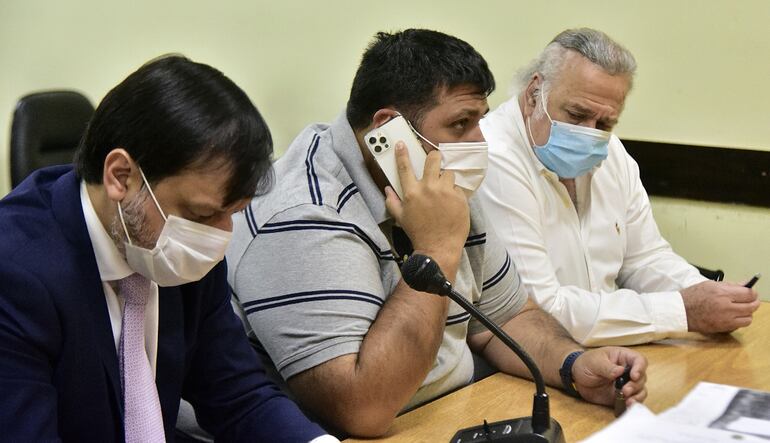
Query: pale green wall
point(702, 78)
point(719, 236)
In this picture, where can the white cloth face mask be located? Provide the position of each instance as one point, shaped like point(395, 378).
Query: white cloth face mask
point(185, 251)
point(468, 161)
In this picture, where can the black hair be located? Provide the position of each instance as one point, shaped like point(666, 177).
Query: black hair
point(408, 69)
point(174, 114)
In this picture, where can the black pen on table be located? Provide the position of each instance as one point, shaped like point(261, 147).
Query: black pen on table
point(753, 281)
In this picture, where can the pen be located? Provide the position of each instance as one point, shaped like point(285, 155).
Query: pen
point(753, 280)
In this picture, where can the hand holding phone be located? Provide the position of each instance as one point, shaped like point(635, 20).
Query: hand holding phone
point(382, 141)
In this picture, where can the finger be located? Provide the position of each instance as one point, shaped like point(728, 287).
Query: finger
point(432, 170)
point(638, 397)
point(637, 361)
point(447, 177)
point(606, 368)
point(741, 322)
point(461, 193)
point(744, 309)
point(739, 294)
point(631, 388)
point(625, 358)
point(404, 166)
point(393, 203)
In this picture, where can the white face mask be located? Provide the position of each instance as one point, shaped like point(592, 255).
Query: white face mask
point(468, 161)
point(185, 251)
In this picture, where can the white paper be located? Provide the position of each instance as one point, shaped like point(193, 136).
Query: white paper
point(639, 425)
point(724, 407)
point(709, 413)
point(753, 426)
point(704, 404)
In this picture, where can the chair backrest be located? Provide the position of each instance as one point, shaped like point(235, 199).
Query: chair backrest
point(716, 275)
point(46, 130)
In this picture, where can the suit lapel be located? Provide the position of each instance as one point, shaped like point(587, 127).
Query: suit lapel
point(65, 203)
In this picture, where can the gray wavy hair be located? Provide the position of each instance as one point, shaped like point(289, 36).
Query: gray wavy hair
point(594, 45)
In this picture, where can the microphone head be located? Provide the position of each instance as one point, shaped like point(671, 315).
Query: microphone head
point(423, 274)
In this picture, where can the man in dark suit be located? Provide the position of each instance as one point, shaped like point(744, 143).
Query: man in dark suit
point(113, 295)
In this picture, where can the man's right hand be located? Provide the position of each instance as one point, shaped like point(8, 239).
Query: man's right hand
point(434, 212)
point(714, 307)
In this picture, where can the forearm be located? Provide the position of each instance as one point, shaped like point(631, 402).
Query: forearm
point(362, 393)
point(401, 346)
point(541, 336)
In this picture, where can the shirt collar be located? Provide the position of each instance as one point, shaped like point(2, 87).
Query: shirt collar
point(346, 147)
point(112, 265)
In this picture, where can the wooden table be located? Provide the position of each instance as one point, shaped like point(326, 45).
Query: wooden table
point(676, 366)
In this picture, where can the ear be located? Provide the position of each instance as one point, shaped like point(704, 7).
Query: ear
point(382, 116)
point(120, 174)
point(532, 94)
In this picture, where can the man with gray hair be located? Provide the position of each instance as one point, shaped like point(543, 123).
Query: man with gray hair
point(565, 198)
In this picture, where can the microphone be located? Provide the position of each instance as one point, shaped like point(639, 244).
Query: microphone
point(423, 274)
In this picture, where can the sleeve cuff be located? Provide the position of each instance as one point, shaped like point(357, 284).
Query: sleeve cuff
point(669, 315)
point(316, 356)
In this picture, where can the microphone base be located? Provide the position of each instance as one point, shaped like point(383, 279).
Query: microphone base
point(516, 430)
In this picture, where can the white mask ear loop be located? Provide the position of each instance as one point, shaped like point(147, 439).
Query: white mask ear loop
point(120, 209)
point(419, 135)
point(529, 124)
point(542, 103)
point(152, 194)
point(529, 129)
point(123, 223)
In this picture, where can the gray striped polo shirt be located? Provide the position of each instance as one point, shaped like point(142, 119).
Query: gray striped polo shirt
point(311, 263)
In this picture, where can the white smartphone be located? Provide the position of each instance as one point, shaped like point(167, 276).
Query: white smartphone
point(382, 141)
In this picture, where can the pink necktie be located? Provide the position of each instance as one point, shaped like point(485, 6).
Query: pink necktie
point(143, 419)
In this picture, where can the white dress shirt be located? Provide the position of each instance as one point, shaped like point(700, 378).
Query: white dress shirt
point(600, 267)
point(113, 267)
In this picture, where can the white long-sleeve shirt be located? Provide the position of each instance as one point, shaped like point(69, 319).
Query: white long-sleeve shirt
point(602, 269)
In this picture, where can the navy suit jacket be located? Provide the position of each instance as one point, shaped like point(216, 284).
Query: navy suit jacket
point(59, 376)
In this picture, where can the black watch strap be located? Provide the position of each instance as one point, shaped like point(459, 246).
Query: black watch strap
point(566, 374)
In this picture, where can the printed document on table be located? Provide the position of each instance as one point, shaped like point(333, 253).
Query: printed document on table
point(724, 407)
point(640, 425)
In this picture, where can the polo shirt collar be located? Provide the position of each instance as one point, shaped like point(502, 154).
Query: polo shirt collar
point(346, 147)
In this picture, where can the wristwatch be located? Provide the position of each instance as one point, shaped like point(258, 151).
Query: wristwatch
point(566, 374)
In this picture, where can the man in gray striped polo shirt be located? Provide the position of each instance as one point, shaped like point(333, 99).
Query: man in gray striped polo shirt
point(313, 266)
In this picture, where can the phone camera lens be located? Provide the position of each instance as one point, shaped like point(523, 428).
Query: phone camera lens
point(378, 149)
point(382, 140)
point(386, 146)
point(372, 140)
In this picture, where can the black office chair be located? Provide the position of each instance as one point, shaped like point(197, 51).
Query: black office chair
point(716, 275)
point(46, 130)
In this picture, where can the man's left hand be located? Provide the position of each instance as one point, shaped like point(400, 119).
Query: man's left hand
point(595, 371)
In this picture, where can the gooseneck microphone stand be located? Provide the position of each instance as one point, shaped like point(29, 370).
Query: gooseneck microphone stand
point(423, 274)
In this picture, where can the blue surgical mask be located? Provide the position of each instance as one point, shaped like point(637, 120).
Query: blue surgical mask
point(571, 150)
